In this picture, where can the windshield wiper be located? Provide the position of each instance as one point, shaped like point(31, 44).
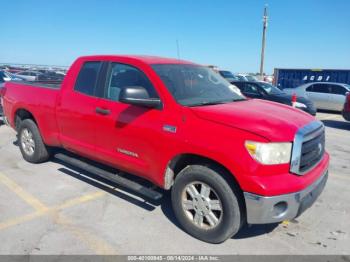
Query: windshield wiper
point(208, 103)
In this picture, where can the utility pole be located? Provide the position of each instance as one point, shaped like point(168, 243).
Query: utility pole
point(265, 17)
point(178, 49)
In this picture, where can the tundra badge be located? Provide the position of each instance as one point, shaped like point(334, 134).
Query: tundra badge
point(126, 152)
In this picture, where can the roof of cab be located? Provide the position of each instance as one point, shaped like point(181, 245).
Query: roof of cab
point(151, 60)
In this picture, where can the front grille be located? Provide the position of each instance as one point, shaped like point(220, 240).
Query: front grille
point(312, 152)
point(308, 148)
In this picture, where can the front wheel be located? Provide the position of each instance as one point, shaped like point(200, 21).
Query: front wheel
point(31, 144)
point(206, 206)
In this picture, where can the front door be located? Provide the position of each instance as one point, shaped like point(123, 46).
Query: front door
point(128, 137)
point(319, 94)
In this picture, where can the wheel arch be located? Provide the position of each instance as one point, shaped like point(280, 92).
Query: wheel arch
point(22, 114)
point(179, 162)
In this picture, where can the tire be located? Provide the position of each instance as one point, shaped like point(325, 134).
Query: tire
point(29, 134)
point(228, 221)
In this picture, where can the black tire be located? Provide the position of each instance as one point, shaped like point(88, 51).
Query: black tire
point(232, 204)
point(41, 151)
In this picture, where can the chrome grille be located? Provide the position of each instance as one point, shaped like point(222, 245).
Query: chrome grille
point(308, 148)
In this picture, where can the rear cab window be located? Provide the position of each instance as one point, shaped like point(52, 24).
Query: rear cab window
point(87, 79)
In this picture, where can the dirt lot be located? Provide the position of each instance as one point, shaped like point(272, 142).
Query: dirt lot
point(52, 209)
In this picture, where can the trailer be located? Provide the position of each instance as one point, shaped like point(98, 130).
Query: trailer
point(292, 78)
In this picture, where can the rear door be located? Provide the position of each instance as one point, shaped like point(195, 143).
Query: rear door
point(320, 95)
point(338, 96)
point(76, 111)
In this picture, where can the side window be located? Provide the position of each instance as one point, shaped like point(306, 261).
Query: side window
point(121, 75)
point(338, 90)
point(321, 88)
point(240, 86)
point(251, 89)
point(310, 88)
point(87, 78)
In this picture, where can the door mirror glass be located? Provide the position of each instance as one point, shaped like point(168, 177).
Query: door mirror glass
point(138, 95)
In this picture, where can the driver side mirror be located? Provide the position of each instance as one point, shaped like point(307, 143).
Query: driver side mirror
point(138, 96)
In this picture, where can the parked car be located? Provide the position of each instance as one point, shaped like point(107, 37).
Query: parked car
point(50, 76)
point(346, 109)
point(29, 75)
point(7, 76)
point(268, 79)
point(247, 77)
point(266, 91)
point(2, 84)
point(325, 95)
point(228, 160)
point(4, 76)
point(228, 75)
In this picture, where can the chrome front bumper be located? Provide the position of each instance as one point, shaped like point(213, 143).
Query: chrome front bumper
point(265, 210)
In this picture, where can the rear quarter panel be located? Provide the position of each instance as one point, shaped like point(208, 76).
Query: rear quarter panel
point(40, 102)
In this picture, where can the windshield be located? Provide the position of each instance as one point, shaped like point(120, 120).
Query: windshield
point(347, 86)
point(251, 78)
point(270, 89)
point(228, 75)
point(193, 85)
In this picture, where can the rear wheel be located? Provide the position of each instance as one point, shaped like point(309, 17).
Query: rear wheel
point(206, 206)
point(31, 144)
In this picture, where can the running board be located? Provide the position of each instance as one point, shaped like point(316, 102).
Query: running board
point(119, 180)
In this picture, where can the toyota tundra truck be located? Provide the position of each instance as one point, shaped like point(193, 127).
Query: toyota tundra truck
point(227, 160)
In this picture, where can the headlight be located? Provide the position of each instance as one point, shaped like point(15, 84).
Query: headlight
point(300, 105)
point(269, 153)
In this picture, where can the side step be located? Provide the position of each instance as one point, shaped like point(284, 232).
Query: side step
point(122, 181)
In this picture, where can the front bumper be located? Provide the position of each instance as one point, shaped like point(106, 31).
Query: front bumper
point(265, 210)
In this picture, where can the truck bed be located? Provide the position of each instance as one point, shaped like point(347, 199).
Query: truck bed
point(41, 83)
point(37, 97)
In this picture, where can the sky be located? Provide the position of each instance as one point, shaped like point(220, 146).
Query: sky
point(226, 33)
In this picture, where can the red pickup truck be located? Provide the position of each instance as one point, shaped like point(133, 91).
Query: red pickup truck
point(228, 160)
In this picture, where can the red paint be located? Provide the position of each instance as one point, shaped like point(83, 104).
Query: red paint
point(347, 104)
point(218, 132)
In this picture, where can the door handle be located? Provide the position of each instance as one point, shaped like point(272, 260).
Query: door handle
point(102, 111)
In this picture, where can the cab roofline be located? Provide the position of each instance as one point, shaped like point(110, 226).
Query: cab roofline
point(151, 60)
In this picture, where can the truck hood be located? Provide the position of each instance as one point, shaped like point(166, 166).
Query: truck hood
point(276, 122)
